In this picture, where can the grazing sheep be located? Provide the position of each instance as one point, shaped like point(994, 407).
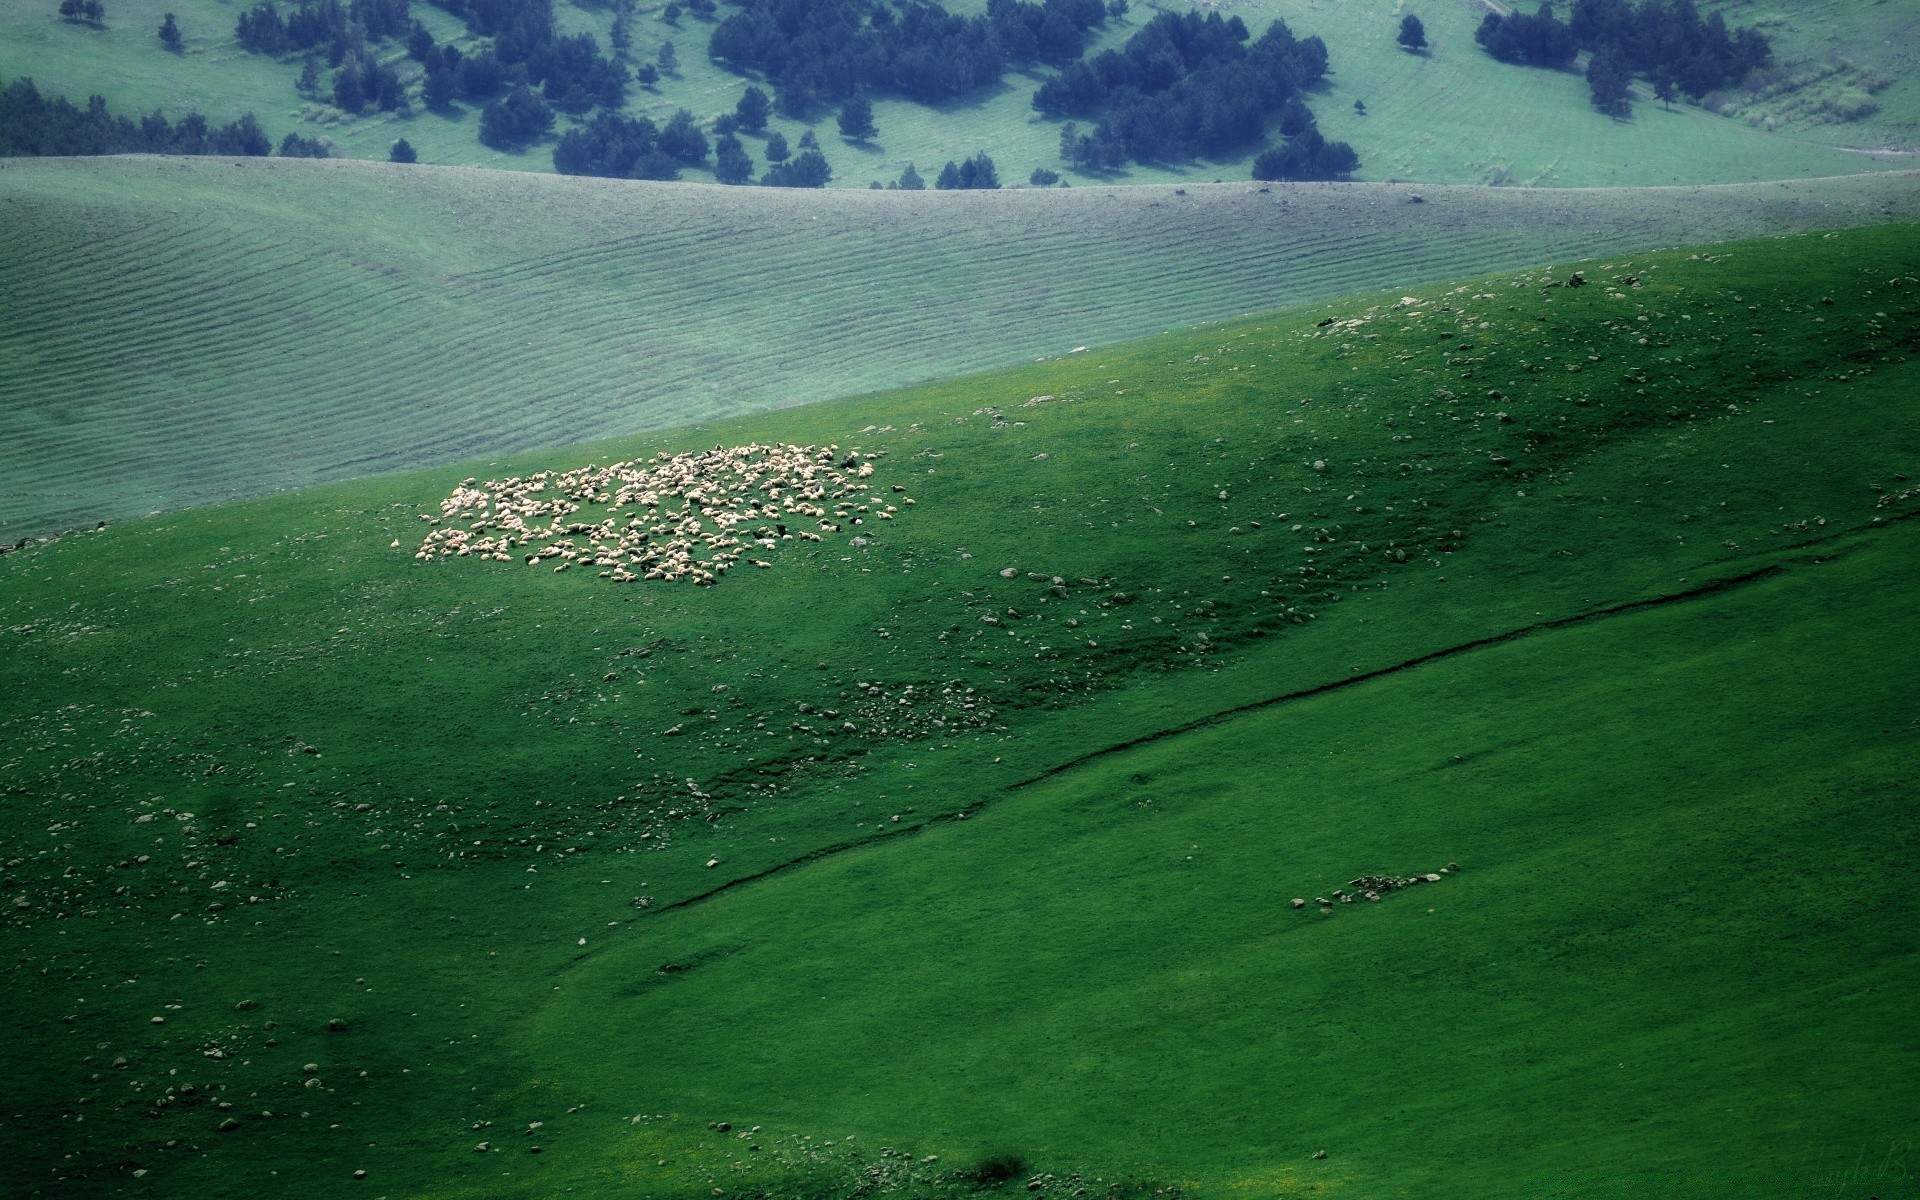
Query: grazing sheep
point(679, 510)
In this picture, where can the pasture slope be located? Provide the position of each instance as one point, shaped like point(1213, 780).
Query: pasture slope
point(871, 871)
point(1452, 115)
point(174, 332)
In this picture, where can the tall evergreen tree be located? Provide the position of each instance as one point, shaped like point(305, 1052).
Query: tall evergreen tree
point(402, 151)
point(753, 109)
point(1413, 35)
point(1607, 80)
point(856, 119)
point(170, 34)
point(777, 147)
point(730, 161)
point(910, 180)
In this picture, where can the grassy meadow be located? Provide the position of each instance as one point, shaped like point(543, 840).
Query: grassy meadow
point(1452, 115)
point(175, 332)
point(871, 872)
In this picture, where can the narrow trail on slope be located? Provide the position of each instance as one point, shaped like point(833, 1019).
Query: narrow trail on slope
point(1806, 554)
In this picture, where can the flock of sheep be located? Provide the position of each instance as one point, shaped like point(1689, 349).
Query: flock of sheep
point(672, 517)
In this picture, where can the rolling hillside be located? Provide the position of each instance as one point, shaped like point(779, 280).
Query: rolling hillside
point(1451, 116)
point(174, 332)
point(969, 834)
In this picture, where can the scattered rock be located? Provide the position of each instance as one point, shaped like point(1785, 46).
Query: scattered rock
point(337, 1025)
point(1297, 902)
point(1009, 573)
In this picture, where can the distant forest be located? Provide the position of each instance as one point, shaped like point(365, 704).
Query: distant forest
point(1187, 85)
point(1666, 42)
point(1183, 86)
point(825, 51)
point(33, 123)
point(527, 70)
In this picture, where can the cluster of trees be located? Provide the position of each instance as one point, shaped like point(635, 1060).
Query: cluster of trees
point(616, 146)
point(807, 169)
point(346, 34)
point(1667, 41)
point(32, 123)
point(1537, 40)
point(84, 12)
point(526, 52)
point(295, 146)
point(516, 119)
point(1306, 155)
point(1183, 86)
point(622, 147)
point(975, 174)
point(316, 23)
point(364, 82)
point(526, 70)
point(825, 51)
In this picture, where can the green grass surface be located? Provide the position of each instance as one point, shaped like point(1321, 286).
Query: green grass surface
point(1846, 71)
point(1645, 671)
point(1451, 116)
point(175, 331)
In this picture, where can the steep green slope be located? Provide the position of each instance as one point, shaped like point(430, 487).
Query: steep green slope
point(1452, 116)
point(1678, 949)
point(174, 332)
point(308, 800)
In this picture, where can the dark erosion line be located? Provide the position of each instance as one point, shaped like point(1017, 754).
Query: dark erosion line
point(1225, 715)
point(1321, 689)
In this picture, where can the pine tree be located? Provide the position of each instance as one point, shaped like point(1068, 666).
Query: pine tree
point(730, 161)
point(777, 147)
point(402, 152)
point(910, 180)
point(1607, 79)
point(170, 34)
point(856, 120)
point(669, 61)
point(753, 109)
point(1413, 35)
point(1665, 89)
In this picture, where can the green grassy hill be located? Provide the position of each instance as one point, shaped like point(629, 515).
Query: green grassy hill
point(326, 860)
point(1452, 116)
point(175, 332)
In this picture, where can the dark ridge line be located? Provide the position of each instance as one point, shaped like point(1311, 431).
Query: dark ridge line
point(1727, 583)
point(1724, 584)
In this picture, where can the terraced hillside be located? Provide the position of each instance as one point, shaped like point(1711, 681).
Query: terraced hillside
point(970, 833)
point(174, 332)
point(1450, 116)
point(1848, 75)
